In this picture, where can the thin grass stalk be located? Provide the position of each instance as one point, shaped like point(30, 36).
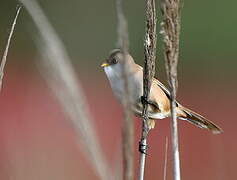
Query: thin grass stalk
point(166, 158)
point(171, 30)
point(127, 127)
point(4, 57)
point(148, 74)
point(61, 78)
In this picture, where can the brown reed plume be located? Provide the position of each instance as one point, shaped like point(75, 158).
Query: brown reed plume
point(170, 30)
point(148, 73)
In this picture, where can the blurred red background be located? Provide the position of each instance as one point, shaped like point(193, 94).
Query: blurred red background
point(37, 142)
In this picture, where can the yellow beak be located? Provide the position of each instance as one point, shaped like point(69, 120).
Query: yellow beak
point(104, 65)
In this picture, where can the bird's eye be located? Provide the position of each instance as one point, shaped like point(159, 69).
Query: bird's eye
point(114, 61)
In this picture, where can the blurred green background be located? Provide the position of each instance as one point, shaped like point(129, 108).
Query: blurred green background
point(207, 82)
point(89, 32)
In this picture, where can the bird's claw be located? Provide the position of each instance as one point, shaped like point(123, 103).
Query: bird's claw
point(143, 148)
point(145, 100)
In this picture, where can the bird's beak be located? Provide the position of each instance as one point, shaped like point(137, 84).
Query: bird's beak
point(104, 65)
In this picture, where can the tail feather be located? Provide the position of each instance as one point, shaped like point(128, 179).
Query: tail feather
point(199, 120)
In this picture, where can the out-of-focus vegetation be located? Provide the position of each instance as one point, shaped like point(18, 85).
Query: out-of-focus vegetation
point(88, 30)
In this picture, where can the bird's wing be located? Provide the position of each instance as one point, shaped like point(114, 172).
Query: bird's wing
point(162, 86)
point(152, 103)
point(165, 90)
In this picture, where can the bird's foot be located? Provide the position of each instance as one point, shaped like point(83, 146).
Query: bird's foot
point(143, 147)
point(145, 100)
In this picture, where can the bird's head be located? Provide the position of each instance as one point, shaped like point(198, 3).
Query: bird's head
point(116, 58)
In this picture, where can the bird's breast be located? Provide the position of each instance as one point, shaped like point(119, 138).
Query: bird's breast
point(117, 84)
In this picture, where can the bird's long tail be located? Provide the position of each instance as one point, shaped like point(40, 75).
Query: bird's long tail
point(197, 120)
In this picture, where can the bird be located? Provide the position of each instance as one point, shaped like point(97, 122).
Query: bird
point(159, 100)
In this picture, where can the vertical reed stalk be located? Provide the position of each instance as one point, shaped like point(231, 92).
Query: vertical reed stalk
point(127, 127)
point(148, 73)
point(171, 31)
point(62, 79)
